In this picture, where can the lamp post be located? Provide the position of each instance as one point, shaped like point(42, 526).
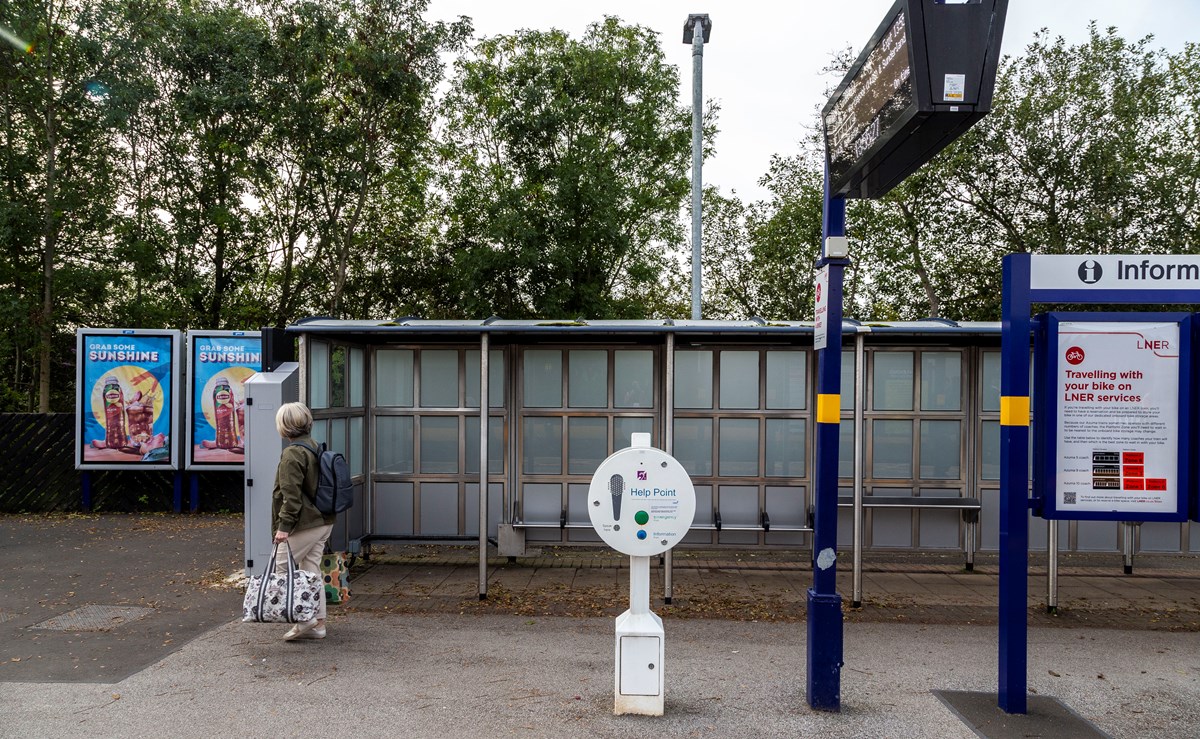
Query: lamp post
point(696, 32)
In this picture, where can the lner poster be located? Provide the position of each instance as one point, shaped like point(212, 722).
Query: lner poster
point(1118, 417)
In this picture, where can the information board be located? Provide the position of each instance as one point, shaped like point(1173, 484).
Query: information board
point(1116, 420)
point(219, 363)
point(126, 414)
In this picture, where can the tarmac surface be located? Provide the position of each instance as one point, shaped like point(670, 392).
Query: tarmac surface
point(130, 626)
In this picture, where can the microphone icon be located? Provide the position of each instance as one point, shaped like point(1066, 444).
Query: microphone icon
point(616, 486)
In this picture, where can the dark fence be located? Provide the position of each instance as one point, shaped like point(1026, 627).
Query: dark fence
point(40, 476)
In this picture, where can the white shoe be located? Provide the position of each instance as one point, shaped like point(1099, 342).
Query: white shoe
point(301, 629)
point(317, 632)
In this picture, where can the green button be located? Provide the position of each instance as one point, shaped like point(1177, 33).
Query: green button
point(641, 517)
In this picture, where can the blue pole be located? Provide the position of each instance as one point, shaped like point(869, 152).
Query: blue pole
point(87, 491)
point(1014, 485)
point(824, 602)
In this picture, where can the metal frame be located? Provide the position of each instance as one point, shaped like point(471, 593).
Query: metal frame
point(1022, 287)
point(172, 406)
point(188, 444)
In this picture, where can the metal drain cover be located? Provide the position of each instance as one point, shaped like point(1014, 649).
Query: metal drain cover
point(94, 618)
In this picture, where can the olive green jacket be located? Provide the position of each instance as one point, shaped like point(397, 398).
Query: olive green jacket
point(292, 507)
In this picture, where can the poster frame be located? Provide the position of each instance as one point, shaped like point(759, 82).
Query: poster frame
point(189, 447)
point(171, 406)
point(1046, 411)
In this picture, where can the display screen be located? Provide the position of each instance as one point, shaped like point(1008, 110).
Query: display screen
point(220, 366)
point(870, 103)
point(125, 399)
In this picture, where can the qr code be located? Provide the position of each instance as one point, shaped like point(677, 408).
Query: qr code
point(1069, 497)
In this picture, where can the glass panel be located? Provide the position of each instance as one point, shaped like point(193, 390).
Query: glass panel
point(693, 445)
point(693, 379)
point(337, 378)
point(495, 378)
point(633, 381)
point(439, 444)
point(541, 446)
point(355, 457)
point(337, 435)
point(991, 382)
point(941, 381)
point(495, 445)
point(587, 380)
point(846, 448)
point(940, 450)
point(318, 375)
point(738, 451)
point(787, 379)
point(543, 378)
point(624, 428)
point(990, 439)
point(356, 372)
point(587, 444)
point(739, 379)
point(893, 381)
point(394, 444)
point(439, 378)
point(785, 447)
point(394, 378)
point(320, 431)
point(891, 449)
point(847, 380)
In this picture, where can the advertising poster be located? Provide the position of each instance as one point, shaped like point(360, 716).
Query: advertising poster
point(1118, 418)
point(218, 365)
point(125, 398)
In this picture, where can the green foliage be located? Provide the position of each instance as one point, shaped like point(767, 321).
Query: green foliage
point(238, 163)
point(565, 169)
point(1089, 149)
point(758, 259)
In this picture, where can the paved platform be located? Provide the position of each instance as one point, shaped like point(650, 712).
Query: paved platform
point(112, 623)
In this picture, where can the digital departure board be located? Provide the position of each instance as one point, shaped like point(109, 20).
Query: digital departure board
point(924, 78)
point(872, 102)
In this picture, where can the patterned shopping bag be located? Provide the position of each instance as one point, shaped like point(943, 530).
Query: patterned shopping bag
point(287, 597)
point(336, 575)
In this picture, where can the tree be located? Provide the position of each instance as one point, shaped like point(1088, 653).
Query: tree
point(59, 182)
point(565, 170)
point(350, 108)
point(759, 258)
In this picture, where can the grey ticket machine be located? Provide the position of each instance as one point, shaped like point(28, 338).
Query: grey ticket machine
point(265, 392)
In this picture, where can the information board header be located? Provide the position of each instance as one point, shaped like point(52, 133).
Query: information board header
point(1114, 272)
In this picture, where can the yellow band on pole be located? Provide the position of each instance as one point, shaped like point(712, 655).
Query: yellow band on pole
point(829, 408)
point(1014, 410)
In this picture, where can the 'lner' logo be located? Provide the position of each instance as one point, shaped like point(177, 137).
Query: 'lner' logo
point(1090, 272)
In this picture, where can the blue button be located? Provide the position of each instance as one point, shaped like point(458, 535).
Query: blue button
point(641, 534)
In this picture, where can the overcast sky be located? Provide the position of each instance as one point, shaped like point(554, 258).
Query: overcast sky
point(764, 57)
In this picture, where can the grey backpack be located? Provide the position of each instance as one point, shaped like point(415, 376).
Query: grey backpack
point(335, 492)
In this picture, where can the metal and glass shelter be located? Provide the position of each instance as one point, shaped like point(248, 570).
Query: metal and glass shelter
point(732, 400)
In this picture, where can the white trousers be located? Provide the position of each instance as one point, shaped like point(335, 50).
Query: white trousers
point(307, 547)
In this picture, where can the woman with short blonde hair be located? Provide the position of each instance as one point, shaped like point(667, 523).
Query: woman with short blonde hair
point(293, 420)
point(294, 516)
